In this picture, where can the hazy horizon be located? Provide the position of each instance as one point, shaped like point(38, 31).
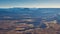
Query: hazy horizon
point(30, 3)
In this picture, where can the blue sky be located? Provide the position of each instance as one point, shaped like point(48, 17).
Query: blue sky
point(30, 3)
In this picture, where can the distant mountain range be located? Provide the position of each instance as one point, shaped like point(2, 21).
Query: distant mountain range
point(44, 13)
point(36, 14)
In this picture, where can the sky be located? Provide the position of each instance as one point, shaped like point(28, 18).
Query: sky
point(30, 3)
